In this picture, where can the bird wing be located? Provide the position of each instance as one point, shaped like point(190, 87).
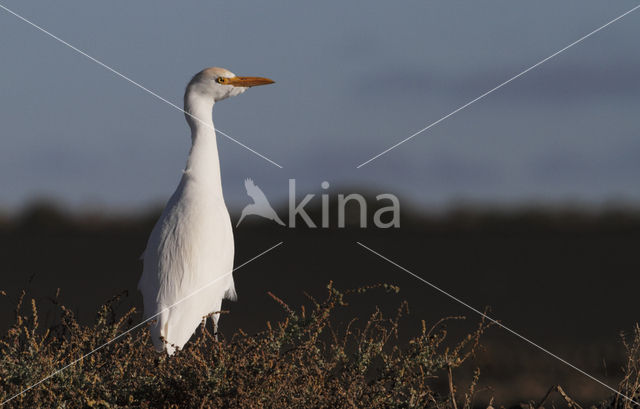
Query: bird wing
point(187, 265)
point(255, 192)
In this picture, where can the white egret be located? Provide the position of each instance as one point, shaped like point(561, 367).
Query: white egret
point(191, 245)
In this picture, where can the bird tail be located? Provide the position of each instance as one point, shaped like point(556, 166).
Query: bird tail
point(231, 294)
point(278, 220)
point(159, 331)
point(241, 218)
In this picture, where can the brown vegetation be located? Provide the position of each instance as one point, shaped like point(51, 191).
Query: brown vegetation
point(305, 360)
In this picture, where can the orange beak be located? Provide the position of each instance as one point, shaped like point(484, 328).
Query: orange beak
point(248, 81)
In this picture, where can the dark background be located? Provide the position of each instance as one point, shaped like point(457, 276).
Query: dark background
point(565, 278)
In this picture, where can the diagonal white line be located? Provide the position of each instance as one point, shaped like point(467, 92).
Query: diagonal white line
point(119, 74)
point(496, 88)
point(498, 323)
point(137, 326)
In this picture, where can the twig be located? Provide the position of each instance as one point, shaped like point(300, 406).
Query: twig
point(557, 388)
point(452, 390)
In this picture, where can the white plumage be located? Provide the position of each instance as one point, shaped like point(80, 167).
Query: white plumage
point(189, 256)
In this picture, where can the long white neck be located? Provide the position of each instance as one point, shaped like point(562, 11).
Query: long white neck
point(203, 164)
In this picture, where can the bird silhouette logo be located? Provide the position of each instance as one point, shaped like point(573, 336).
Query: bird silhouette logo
point(260, 206)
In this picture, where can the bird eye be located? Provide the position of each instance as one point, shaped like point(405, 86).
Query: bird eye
point(221, 80)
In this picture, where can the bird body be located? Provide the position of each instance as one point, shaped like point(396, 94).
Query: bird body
point(260, 206)
point(188, 260)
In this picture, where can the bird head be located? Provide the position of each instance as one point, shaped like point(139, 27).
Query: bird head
point(218, 83)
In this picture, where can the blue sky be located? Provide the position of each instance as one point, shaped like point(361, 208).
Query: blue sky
point(352, 78)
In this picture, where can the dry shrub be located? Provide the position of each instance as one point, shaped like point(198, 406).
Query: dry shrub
point(630, 385)
point(628, 390)
point(303, 360)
